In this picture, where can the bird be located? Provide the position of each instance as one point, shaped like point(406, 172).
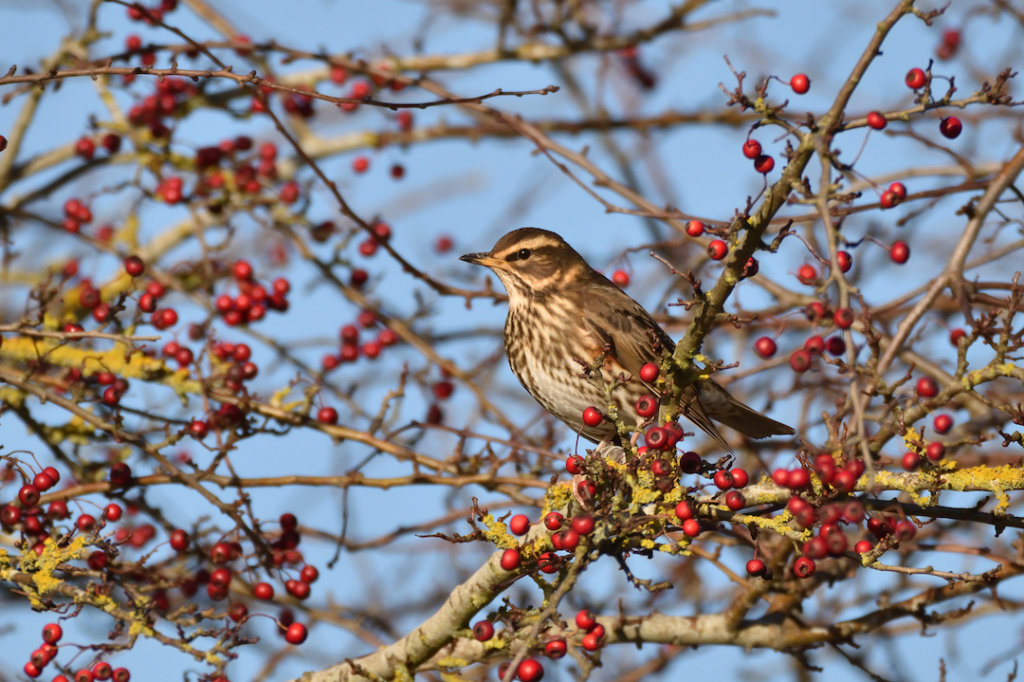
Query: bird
point(575, 339)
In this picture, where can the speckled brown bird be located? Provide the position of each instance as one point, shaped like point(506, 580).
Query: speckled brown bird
point(567, 322)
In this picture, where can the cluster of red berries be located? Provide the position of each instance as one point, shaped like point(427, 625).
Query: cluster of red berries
point(253, 299)
point(76, 214)
point(41, 657)
point(352, 347)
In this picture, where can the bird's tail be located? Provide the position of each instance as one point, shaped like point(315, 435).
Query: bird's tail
point(725, 409)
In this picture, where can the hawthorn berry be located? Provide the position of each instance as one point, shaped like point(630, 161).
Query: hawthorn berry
point(951, 127)
point(649, 372)
point(717, 249)
point(519, 524)
point(807, 274)
point(583, 524)
point(911, 460)
point(553, 520)
point(510, 559)
point(942, 423)
point(935, 451)
point(915, 78)
point(845, 260)
point(765, 347)
point(764, 164)
point(52, 632)
point(843, 317)
point(327, 415)
point(756, 568)
point(862, 547)
point(735, 500)
point(899, 189)
point(815, 345)
point(684, 511)
point(691, 528)
point(134, 266)
point(556, 648)
point(723, 479)
point(483, 630)
point(585, 620)
point(800, 360)
point(803, 567)
point(751, 150)
point(646, 405)
point(656, 438)
point(690, 462)
point(295, 634)
point(876, 120)
point(740, 478)
point(530, 670)
point(899, 252)
point(592, 416)
point(927, 387)
point(800, 83)
point(620, 278)
point(574, 464)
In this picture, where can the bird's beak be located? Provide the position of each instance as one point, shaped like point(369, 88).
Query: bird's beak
point(484, 259)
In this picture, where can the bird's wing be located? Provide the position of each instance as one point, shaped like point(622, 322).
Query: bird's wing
point(627, 329)
point(634, 339)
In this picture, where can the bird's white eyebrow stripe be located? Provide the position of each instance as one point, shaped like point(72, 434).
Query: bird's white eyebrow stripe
point(533, 244)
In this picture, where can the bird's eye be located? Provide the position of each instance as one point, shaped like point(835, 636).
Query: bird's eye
point(523, 254)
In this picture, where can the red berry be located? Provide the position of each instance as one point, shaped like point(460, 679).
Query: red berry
point(179, 540)
point(52, 632)
point(113, 512)
point(591, 642)
point(295, 634)
point(717, 249)
point(583, 524)
point(574, 464)
point(951, 127)
point(798, 479)
point(915, 78)
point(803, 567)
point(764, 164)
point(935, 451)
point(739, 477)
point(649, 372)
point(899, 189)
point(42, 481)
point(85, 148)
point(899, 252)
point(510, 559)
point(28, 495)
point(956, 335)
point(556, 648)
point(876, 120)
point(751, 150)
point(800, 360)
point(360, 164)
point(690, 462)
point(585, 620)
point(530, 670)
point(927, 387)
point(844, 260)
point(646, 405)
point(198, 428)
point(735, 500)
point(942, 423)
point(800, 83)
point(694, 228)
point(264, 591)
point(723, 479)
point(889, 199)
point(327, 415)
point(483, 630)
point(592, 416)
point(620, 278)
point(134, 266)
point(519, 524)
point(765, 347)
point(911, 460)
point(755, 567)
point(691, 528)
point(807, 274)
point(656, 438)
point(553, 520)
point(862, 547)
point(835, 345)
point(843, 317)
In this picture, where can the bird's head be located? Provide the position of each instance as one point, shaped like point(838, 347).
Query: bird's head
point(532, 263)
